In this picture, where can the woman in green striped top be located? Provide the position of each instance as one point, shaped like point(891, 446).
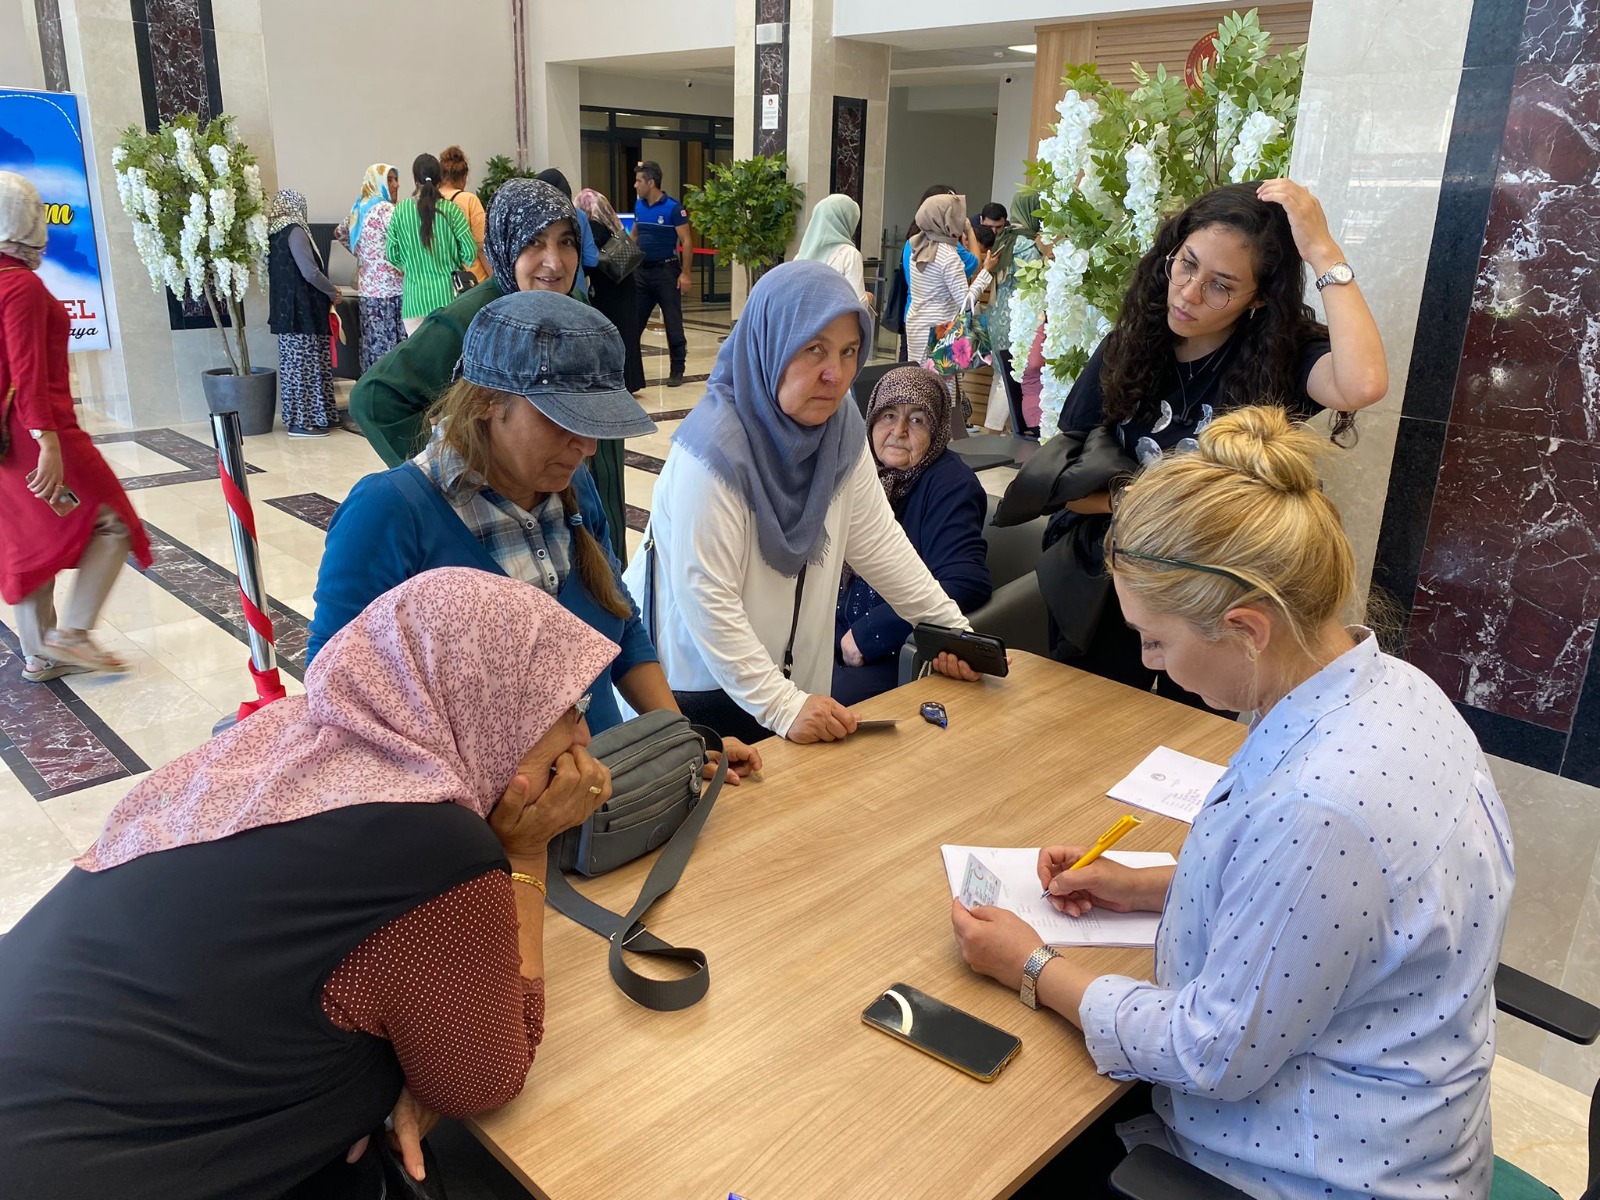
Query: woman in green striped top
point(427, 240)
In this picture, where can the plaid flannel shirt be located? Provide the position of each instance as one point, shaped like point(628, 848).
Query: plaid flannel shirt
point(535, 547)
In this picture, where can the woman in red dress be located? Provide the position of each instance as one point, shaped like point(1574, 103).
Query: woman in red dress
point(62, 504)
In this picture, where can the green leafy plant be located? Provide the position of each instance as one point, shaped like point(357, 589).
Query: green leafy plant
point(199, 216)
point(495, 173)
point(1118, 164)
point(747, 211)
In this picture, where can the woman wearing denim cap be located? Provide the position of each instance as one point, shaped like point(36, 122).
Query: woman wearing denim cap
point(532, 244)
point(500, 487)
point(769, 489)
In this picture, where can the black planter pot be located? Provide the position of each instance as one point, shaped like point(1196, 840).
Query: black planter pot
point(254, 396)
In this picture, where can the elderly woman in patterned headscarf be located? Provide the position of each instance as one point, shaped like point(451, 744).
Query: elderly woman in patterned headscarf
point(331, 913)
point(300, 296)
point(366, 231)
point(531, 242)
point(939, 503)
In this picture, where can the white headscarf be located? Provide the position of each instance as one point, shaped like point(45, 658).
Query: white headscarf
point(23, 230)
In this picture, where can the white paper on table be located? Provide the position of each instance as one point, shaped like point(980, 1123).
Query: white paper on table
point(1169, 782)
point(1017, 868)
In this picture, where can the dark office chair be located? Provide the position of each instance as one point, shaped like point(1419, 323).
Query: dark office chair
point(1149, 1173)
point(1015, 612)
point(867, 379)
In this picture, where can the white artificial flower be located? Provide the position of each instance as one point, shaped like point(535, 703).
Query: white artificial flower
point(194, 228)
point(222, 214)
point(188, 161)
point(1258, 129)
point(118, 157)
point(1092, 188)
point(1026, 314)
point(219, 160)
point(252, 184)
point(1144, 193)
point(1229, 115)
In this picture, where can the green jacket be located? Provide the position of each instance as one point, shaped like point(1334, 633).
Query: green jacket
point(391, 400)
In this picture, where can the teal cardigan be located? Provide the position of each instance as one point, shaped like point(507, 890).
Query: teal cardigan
point(395, 524)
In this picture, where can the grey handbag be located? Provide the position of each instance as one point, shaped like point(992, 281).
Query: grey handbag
point(655, 762)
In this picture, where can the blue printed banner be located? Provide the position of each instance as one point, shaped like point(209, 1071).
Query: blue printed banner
point(41, 138)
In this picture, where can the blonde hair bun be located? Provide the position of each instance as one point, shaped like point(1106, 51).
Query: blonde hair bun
point(1263, 444)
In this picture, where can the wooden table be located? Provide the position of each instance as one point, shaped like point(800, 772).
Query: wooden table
point(811, 892)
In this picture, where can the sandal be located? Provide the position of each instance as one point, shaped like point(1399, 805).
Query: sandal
point(40, 670)
point(77, 648)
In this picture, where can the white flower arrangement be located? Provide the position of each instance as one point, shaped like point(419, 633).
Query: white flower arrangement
point(195, 202)
point(1255, 132)
point(1117, 165)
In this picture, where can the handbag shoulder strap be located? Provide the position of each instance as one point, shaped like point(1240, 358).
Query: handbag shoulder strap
point(627, 932)
point(794, 623)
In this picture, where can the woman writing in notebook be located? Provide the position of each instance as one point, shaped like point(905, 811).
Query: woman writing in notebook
point(1321, 1018)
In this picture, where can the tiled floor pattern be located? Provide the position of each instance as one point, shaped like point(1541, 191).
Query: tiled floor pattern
point(70, 749)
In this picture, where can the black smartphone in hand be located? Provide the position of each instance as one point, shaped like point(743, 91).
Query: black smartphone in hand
point(958, 1038)
point(983, 653)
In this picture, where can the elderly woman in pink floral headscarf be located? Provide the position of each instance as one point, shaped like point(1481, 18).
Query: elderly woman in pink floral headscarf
point(331, 914)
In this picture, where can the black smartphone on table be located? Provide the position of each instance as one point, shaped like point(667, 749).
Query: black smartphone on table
point(980, 651)
point(958, 1038)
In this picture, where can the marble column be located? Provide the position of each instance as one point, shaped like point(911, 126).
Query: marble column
point(183, 54)
point(1464, 191)
point(833, 119)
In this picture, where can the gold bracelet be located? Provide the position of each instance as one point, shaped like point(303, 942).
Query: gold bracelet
point(533, 879)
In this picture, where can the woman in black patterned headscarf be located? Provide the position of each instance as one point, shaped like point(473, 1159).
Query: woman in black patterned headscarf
point(531, 242)
point(941, 506)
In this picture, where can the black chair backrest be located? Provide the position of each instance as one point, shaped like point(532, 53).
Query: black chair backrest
point(1013, 550)
point(867, 379)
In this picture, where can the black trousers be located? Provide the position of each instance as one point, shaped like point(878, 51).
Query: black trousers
point(1081, 1170)
point(658, 285)
point(718, 711)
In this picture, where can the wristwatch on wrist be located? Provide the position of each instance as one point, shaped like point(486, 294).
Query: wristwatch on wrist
point(1030, 973)
point(1340, 272)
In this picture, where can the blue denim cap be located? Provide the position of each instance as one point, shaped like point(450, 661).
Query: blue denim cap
point(563, 356)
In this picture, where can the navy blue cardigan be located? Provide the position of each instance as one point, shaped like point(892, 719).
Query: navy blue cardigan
point(395, 524)
point(943, 516)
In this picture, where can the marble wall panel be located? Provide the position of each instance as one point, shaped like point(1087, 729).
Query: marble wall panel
point(177, 59)
point(1491, 533)
point(52, 45)
point(848, 174)
point(1560, 31)
point(1509, 590)
point(772, 78)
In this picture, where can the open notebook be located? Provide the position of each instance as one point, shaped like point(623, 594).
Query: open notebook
point(1015, 868)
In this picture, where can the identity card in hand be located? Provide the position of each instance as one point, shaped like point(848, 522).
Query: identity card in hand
point(1016, 887)
point(981, 885)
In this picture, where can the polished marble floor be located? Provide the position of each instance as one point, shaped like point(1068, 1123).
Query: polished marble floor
point(70, 749)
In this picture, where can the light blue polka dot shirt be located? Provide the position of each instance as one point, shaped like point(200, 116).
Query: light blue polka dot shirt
point(1322, 1018)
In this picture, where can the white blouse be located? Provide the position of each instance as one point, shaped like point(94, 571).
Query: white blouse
point(722, 615)
point(847, 261)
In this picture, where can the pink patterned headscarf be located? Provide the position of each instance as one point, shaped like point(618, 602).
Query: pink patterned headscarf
point(433, 694)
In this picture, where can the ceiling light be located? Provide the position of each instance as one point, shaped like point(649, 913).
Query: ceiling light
point(1024, 49)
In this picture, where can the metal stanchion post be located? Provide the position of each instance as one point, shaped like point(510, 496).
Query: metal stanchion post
point(231, 473)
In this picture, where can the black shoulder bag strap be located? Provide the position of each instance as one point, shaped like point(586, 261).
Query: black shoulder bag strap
point(628, 932)
point(794, 624)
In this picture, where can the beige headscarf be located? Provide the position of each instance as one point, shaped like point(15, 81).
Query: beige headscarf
point(23, 229)
point(940, 219)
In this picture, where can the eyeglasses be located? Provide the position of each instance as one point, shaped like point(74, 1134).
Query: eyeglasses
point(581, 705)
point(1181, 564)
point(1214, 292)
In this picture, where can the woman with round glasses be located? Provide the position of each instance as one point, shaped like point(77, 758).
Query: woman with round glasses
point(1214, 320)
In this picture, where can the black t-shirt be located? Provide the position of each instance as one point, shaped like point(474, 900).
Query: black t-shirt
point(1192, 395)
point(161, 1023)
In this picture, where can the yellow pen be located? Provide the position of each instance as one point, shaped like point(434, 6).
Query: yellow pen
point(1106, 840)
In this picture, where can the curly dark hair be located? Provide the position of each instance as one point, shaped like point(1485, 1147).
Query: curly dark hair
point(1266, 352)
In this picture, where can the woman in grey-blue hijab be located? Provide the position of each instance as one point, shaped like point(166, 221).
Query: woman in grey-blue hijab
point(768, 491)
